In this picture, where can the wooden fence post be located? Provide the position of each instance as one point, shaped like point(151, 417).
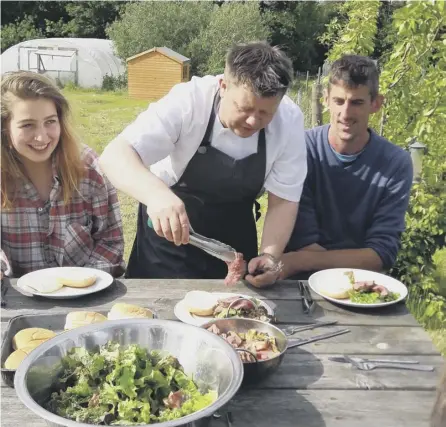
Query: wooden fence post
point(316, 105)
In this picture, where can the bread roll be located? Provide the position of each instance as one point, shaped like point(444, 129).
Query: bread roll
point(337, 287)
point(16, 358)
point(77, 279)
point(76, 319)
point(31, 337)
point(200, 303)
point(128, 311)
point(336, 293)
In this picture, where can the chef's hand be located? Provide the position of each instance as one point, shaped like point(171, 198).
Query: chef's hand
point(169, 217)
point(263, 270)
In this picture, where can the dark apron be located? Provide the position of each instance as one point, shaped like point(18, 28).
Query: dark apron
point(219, 193)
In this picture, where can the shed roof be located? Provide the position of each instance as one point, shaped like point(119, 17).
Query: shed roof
point(165, 51)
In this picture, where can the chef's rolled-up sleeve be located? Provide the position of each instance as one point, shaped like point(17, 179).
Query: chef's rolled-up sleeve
point(156, 130)
point(288, 172)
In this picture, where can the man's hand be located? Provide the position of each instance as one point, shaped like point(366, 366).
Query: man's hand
point(263, 271)
point(169, 217)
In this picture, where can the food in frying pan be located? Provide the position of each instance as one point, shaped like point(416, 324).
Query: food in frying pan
point(237, 306)
point(260, 344)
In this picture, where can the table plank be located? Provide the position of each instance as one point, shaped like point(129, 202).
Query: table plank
point(333, 408)
point(308, 371)
point(287, 311)
point(285, 408)
point(371, 340)
point(375, 340)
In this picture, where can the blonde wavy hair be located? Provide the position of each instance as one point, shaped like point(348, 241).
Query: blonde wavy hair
point(27, 85)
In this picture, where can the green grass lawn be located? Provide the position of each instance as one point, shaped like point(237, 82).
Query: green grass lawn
point(100, 117)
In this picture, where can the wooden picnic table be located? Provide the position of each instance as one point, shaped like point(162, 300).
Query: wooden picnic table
point(308, 390)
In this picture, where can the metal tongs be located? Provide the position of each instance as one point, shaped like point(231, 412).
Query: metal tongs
point(212, 247)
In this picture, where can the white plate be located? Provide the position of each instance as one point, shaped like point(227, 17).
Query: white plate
point(182, 313)
point(324, 278)
point(103, 280)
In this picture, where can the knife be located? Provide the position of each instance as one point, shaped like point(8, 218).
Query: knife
point(291, 330)
point(4, 288)
point(343, 359)
point(298, 342)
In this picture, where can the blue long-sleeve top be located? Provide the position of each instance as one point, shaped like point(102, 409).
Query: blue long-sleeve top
point(361, 204)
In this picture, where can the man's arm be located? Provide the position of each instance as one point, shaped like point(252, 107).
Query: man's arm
point(382, 238)
point(284, 185)
point(149, 139)
point(305, 233)
point(313, 260)
point(278, 225)
point(125, 170)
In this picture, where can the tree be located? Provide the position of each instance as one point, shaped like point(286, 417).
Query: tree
point(413, 81)
point(354, 31)
point(91, 18)
point(56, 19)
point(414, 84)
point(296, 26)
point(231, 23)
point(16, 11)
point(144, 25)
point(17, 32)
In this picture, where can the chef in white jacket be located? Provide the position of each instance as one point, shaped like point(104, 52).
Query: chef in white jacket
point(202, 155)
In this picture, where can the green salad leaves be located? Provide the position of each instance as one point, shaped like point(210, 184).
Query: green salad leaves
point(125, 386)
point(371, 297)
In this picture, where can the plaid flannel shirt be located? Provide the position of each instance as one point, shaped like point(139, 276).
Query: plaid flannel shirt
point(87, 232)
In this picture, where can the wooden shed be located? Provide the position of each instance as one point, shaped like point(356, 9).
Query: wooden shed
point(151, 74)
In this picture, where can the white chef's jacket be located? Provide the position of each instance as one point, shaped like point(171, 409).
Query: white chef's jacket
point(167, 135)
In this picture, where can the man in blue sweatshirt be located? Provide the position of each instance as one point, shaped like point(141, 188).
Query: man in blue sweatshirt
point(358, 184)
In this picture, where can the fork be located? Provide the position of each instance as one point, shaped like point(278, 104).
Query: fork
point(369, 366)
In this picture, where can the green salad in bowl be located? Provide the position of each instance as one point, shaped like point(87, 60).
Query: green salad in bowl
point(124, 385)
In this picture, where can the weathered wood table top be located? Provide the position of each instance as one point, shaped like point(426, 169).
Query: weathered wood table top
point(308, 390)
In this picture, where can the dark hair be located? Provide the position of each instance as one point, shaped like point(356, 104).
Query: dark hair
point(355, 70)
point(264, 68)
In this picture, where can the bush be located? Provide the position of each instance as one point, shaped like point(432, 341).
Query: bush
point(439, 261)
point(70, 86)
point(112, 83)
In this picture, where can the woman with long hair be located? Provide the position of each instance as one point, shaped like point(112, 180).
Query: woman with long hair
point(58, 208)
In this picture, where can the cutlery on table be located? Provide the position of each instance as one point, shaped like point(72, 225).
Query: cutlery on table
point(293, 329)
point(296, 342)
point(342, 359)
point(4, 288)
point(308, 304)
point(367, 366)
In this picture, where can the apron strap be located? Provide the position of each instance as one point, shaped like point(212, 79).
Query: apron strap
point(206, 142)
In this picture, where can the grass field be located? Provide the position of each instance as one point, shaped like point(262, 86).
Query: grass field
point(100, 117)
